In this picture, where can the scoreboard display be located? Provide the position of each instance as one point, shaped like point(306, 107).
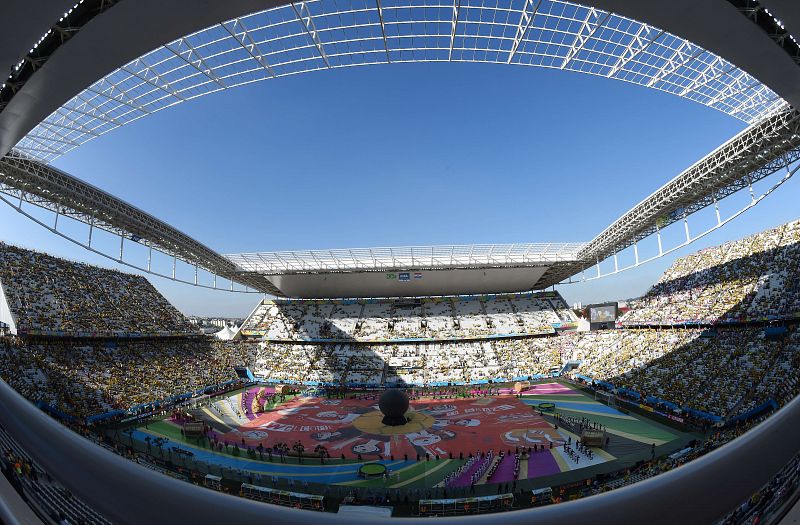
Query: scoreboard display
point(602, 316)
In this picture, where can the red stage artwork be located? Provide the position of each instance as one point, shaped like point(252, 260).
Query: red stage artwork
point(443, 427)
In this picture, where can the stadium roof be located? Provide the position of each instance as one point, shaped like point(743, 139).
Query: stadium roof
point(53, 102)
point(407, 257)
point(229, 47)
point(414, 270)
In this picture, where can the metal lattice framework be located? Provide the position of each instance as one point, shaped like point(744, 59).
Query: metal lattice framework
point(323, 34)
point(28, 181)
point(757, 152)
point(750, 156)
point(408, 258)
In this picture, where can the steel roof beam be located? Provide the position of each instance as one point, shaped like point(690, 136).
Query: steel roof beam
point(525, 21)
point(618, 47)
point(305, 18)
point(753, 154)
point(206, 70)
point(383, 32)
point(636, 46)
point(250, 46)
point(590, 25)
point(55, 190)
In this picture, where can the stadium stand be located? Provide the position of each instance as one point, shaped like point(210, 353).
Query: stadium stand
point(50, 295)
point(728, 374)
point(410, 363)
point(714, 341)
point(766, 502)
point(754, 278)
point(82, 378)
point(467, 317)
point(51, 501)
point(724, 370)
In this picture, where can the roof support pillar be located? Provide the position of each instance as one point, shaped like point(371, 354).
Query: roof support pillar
point(686, 229)
point(660, 247)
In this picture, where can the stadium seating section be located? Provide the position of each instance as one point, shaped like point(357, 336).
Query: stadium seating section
point(697, 357)
point(52, 295)
point(84, 378)
point(754, 278)
point(381, 320)
point(724, 372)
point(412, 364)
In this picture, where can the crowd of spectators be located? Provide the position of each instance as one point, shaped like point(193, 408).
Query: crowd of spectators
point(722, 371)
point(752, 278)
point(50, 294)
point(420, 363)
point(443, 318)
point(86, 377)
point(725, 371)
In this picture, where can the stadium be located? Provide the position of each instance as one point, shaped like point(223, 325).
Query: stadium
point(453, 382)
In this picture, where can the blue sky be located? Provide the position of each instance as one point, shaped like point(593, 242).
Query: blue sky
point(404, 154)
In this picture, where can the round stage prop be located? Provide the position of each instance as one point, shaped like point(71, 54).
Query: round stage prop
point(546, 407)
point(371, 470)
point(394, 405)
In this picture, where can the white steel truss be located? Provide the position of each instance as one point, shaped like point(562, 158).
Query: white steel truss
point(756, 153)
point(24, 181)
point(323, 34)
point(689, 239)
point(750, 156)
point(407, 258)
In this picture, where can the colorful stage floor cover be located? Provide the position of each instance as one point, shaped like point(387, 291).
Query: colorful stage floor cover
point(437, 427)
point(573, 403)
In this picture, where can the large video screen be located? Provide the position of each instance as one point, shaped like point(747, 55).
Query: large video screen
point(603, 314)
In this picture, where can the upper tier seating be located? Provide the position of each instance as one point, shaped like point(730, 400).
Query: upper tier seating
point(754, 277)
point(439, 318)
point(49, 294)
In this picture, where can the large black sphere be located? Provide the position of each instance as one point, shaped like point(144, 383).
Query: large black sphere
point(394, 405)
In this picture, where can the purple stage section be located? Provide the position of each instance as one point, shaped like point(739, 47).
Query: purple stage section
point(505, 470)
point(250, 395)
point(548, 388)
point(465, 479)
point(542, 464)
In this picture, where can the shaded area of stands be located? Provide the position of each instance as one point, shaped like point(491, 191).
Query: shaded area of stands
point(395, 320)
point(752, 279)
point(744, 359)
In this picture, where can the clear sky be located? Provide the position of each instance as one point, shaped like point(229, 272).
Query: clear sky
point(404, 154)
